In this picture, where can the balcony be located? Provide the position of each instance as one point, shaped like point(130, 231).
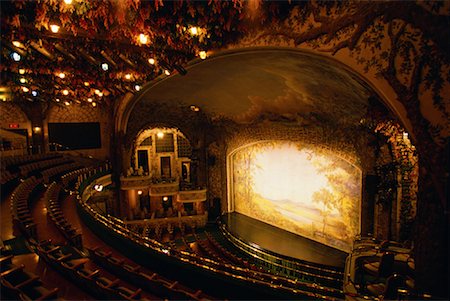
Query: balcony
point(164, 186)
point(135, 182)
point(191, 196)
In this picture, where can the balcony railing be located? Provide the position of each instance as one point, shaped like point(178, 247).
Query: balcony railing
point(190, 196)
point(135, 182)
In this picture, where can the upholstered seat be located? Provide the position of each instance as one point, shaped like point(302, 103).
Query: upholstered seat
point(387, 290)
point(381, 268)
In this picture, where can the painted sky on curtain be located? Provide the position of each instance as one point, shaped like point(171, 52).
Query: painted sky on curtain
point(298, 188)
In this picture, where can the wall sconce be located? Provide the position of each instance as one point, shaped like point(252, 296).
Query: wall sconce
point(37, 129)
point(139, 192)
point(165, 198)
point(160, 135)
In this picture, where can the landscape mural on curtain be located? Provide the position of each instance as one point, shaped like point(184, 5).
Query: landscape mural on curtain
point(301, 189)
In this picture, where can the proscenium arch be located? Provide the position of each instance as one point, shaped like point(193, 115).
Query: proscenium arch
point(147, 92)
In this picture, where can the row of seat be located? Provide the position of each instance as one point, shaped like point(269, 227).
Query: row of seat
point(13, 162)
point(18, 284)
point(51, 197)
point(49, 173)
point(229, 255)
point(93, 280)
point(20, 206)
point(6, 176)
point(211, 247)
point(70, 176)
point(153, 283)
point(29, 168)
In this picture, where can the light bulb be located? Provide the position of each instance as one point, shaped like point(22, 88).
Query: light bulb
point(15, 56)
point(54, 28)
point(193, 30)
point(202, 54)
point(143, 38)
point(151, 61)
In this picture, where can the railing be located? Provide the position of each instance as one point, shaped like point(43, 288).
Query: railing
point(135, 182)
point(190, 196)
point(172, 256)
point(305, 271)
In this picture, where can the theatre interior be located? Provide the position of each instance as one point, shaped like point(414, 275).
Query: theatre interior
point(224, 150)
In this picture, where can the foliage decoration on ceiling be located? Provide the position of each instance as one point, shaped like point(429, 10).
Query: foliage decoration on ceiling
point(96, 32)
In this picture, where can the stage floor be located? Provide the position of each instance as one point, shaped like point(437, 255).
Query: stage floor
point(282, 242)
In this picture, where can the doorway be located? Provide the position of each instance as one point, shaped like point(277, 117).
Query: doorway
point(165, 167)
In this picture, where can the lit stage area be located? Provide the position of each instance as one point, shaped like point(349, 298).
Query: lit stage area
point(275, 240)
point(294, 199)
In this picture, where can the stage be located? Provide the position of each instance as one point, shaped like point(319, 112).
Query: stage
point(282, 242)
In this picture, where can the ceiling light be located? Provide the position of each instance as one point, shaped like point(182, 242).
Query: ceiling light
point(195, 108)
point(128, 76)
point(166, 72)
point(17, 44)
point(68, 2)
point(61, 75)
point(202, 54)
point(23, 80)
point(105, 67)
point(151, 61)
point(21, 71)
point(160, 135)
point(137, 87)
point(57, 100)
point(139, 192)
point(94, 104)
point(96, 91)
point(193, 30)
point(25, 89)
point(165, 199)
point(37, 129)
point(15, 56)
point(54, 28)
point(86, 84)
point(100, 94)
point(67, 103)
point(34, 93)
point(65, 92)
point(143, 38)
point(89, 99)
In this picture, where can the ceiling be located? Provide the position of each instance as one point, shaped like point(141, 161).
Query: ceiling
point(68, 66)
point(244, 85)
point(94, 33)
